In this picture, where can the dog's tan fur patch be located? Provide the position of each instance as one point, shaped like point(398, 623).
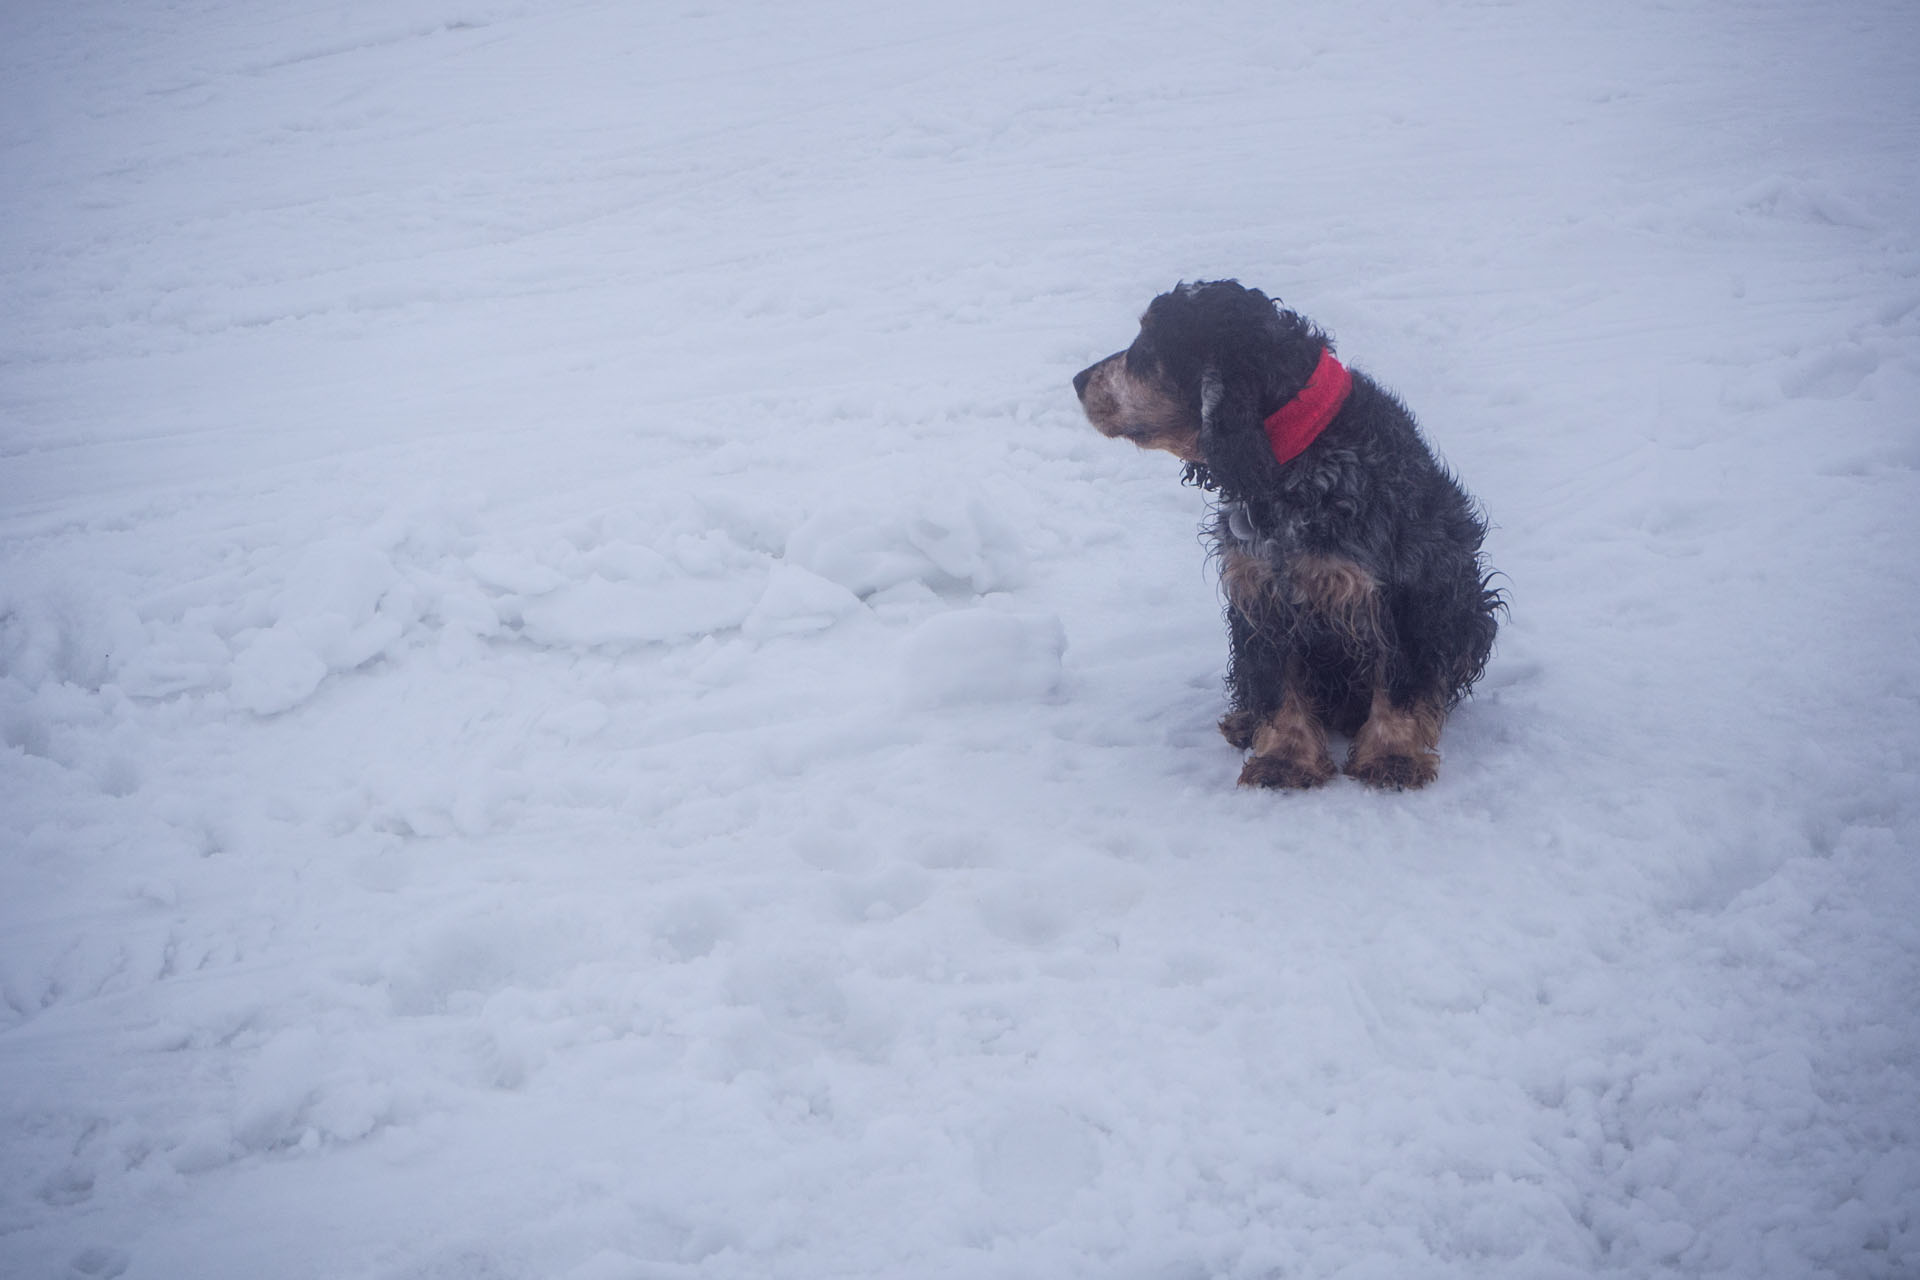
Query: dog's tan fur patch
point(1289, 749)
point(1247, 578)
point(1398, 746)
point(1129, 408)
point(1340, 591)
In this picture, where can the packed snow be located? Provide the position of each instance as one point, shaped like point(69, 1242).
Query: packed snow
point(578, 701)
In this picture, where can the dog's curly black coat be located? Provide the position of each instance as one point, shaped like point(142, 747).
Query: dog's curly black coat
point(1357, 599)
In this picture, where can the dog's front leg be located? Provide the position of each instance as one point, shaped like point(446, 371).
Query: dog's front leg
point(1248, 701)
point(1271, 714)
point(1289, 749)
point(1290, 744)
point(1398, 746)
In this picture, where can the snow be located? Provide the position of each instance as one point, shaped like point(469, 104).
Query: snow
point(577, 699)
point(981, 655)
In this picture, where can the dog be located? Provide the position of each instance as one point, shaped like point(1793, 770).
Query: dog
point(1357, 601)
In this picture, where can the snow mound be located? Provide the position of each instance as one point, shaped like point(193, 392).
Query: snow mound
point(982, 655)
point(796, 602)
point(274, 671)
point(597, 613)
point(945, 544)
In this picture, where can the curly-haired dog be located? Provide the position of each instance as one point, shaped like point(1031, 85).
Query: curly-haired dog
point(1356, 597)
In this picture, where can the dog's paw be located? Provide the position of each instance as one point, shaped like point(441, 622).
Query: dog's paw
point(1398, 771)
point(1284, 771)
point(1238, 728)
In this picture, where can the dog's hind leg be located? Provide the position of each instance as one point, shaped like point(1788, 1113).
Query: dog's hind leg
point(1437, 642)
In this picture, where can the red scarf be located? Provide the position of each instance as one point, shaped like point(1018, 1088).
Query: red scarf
point(1299, 422)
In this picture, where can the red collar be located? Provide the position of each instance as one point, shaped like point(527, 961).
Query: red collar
point(1299, 422)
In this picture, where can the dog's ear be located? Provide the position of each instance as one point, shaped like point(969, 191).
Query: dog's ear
point(1260, 355)
point(1233, 436)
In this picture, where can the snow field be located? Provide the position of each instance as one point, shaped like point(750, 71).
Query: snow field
point(577, 701)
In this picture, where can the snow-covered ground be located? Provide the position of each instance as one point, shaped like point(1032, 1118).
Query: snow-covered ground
point(577, 699)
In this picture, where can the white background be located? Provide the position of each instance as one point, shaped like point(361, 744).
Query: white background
point(579, 701)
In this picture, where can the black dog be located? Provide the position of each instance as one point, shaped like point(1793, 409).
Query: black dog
point(1356, 598)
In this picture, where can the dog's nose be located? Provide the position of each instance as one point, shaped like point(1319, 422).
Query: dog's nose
point(1080, 381)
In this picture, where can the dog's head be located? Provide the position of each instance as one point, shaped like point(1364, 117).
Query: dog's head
point(1212, 359)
